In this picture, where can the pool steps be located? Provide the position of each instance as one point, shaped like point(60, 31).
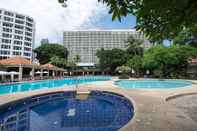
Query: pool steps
point(82, 94)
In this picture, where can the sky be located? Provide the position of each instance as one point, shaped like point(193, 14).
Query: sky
point(52, 19)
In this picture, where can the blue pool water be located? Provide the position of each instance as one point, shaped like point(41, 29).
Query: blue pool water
point(27, 86)
point(152, 84)
point(101, 111)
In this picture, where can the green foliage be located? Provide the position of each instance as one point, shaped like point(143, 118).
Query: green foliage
point(46, 51)
point(135, 63)
point(153, 58)
point(158, 73)
point(186, 37)
point(168, 60)
point(123, 69)
point(77, 59)
point(111, 58)
point(157, 19)
point(59, 62)
point(71, 64)
point(134, 46)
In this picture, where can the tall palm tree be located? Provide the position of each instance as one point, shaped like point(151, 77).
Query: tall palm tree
point(77, 59)
point(134, 46)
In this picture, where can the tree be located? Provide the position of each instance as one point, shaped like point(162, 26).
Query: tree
point(46, 51)
point(111, 58)
point(59, 62)
point(77, 58)
point(186, 38)
point(134, 46)
point(169, 61)
point(157, 19)
point(135, 63)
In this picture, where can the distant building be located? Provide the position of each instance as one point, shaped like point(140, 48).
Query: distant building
point(45, 41)
point(86, 43)
point(17, 34)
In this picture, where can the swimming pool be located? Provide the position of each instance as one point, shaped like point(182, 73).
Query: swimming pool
point(48, 84)
point(62, 111)
point(152, 84)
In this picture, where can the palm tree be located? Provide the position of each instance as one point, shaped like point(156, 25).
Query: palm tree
point(134, 46)
point(77, 58)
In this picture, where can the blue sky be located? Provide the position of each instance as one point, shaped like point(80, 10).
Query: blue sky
point(52, 19)
point(106, 22)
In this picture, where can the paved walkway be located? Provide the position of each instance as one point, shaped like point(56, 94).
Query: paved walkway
point(188, 105)
point(152, 111)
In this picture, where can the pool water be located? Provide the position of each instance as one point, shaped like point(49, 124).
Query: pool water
point(102, 111)
point(47, 84)
point(152, 84)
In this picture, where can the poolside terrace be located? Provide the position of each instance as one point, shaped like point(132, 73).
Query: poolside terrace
point(155, 109)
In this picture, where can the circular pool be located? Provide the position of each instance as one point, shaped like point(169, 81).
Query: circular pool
point(62, 111)
point(152, 84)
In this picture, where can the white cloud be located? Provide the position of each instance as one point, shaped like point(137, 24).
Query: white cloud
point(52, 19)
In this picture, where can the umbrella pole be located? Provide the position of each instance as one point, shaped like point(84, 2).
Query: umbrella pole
point(12, 77)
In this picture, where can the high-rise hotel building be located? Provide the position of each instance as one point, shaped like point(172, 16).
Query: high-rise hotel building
point(86, 43)
point(17, 33)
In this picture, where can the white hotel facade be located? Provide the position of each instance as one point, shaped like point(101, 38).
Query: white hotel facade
point(85, 43)
point(17, 34)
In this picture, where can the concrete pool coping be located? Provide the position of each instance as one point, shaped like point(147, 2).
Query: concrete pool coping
point(152, 111)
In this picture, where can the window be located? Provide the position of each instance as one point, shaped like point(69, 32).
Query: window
point(18, 37)
point(6, 41)
point(28, 34)
point(18, 32)
point(29, 19)
point(7, 24)
point(3, 52)
point(16, 53)
point(7, 30)
point(5, 46)
point(28, 24)
point(20, 16)
point(28, 39)
point(7, 35)
point(28, 29)
point(8, 19)
point(27, 49)
point(19, 22)
point(27, 44)
point(18, 42)
point(27, 54)
point(19, 27)
point(17, 48)
point(8, 13)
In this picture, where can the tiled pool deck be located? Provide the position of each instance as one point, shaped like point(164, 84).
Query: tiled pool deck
point(152, 111)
